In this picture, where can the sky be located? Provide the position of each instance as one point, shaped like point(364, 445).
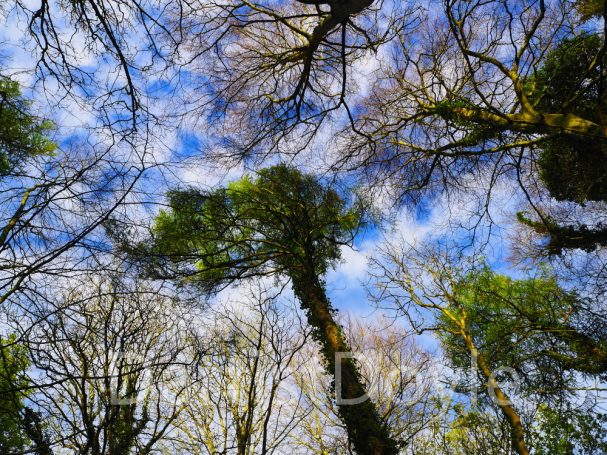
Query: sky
point(175, 149)
point(179, 146)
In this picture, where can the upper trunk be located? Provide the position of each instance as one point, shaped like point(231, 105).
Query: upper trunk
point(509, 413)
point(365, 429)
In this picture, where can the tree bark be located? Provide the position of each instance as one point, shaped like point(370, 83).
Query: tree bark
point(534, 122)
point(510, 414)
point(365, 428)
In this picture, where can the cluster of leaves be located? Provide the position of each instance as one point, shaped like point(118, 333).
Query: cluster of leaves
point(13, 364)
point(282, 221)
point(571, 81)
point(561, 237)
point(528, 325)
point(590, 8)
point(568, 431)
point(555, 431)
point(22, 135)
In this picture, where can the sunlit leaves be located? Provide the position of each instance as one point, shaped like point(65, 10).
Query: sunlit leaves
point(22, 134)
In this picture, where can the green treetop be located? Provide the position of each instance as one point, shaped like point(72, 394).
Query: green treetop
point(22, 134)
point(282, 222)
point(571, 81)
point(531, 325)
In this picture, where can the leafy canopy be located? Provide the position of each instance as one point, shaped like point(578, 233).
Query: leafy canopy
point(571, 82)
point(531, 325)
point(22, 135)
point(282, 221)
point(569, 431)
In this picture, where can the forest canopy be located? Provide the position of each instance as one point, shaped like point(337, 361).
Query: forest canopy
point(303, 227)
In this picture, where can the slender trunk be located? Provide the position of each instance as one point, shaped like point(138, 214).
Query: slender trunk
point(366, 431)
point(518, 433)
point(245, 431)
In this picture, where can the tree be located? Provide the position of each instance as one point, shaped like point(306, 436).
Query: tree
point(461, 430)
point(282, 223)
point(245, 401)
point(122, 42)
point(477, 105)
point(520, 319)
point(113, 366)
point(13, 366)
point(54, 198)
point(590, 8)
point(449, 97)
point(399, 374)
point(571, 81)
point(460, 98)
point(485, 322)
point(21, 134)
point(51, 217)
point(279, 71)
point(513, 88)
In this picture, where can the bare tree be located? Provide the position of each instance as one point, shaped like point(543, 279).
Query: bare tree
point(111, 367)
point(245, 401)
point(280, 71)
point(100, 56)
point(53, 211)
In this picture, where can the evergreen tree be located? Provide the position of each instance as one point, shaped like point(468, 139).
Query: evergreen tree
point(283, 222)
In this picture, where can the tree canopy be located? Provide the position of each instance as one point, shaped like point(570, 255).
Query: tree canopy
point(22, 134)
point(528, 324)
point(282, 222)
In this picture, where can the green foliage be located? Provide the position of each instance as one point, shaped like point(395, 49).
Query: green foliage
point(568, 82)
point(561, 237)
point(590, 8)
point(281, 221)
point(473, 431)
point(523, 324)
point(572, 167)
point(22, 135)
point(13, 363)
point(568, 432)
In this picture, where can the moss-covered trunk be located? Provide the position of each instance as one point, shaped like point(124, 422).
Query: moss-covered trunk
point(366, 431)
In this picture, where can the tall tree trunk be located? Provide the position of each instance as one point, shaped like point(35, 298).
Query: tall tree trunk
point(366, 431)
point(509, 413)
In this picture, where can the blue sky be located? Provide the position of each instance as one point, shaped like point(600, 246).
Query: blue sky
point(180, 146)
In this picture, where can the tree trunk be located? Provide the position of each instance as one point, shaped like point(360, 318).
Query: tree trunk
point(516, 426)
point(534, 122)
point(366, 431)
